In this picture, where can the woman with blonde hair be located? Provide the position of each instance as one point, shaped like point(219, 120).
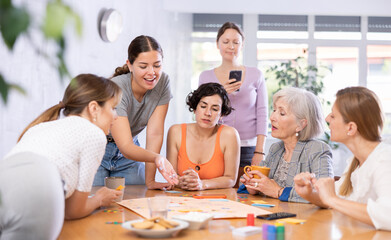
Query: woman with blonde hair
point(363, 192)
point(296, 120)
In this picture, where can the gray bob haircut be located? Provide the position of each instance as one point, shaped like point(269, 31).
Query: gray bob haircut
point(304, 105)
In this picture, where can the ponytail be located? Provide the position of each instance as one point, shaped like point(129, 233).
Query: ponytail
point(49, 115)
point(83, 89)
point(346, 188)
point(121, 70)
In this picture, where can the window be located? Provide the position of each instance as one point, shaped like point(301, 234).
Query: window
point(270, 54)
point(282, 26)
point(343, 63)
point(379, 78)
point(379, 28)
point(337, 27)
point(357, 54)
point(204, 50)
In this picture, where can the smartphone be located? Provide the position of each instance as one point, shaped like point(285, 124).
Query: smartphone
point(277, 215)
point(237, 74)
point(213, 195)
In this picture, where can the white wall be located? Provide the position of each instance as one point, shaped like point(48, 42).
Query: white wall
point(89, 54)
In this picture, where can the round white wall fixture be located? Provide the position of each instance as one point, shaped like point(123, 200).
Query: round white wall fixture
point(110, 25)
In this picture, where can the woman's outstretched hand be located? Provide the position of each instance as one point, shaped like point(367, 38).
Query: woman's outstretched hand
point(166, 169)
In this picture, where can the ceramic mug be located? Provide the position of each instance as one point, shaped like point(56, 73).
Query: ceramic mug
point(264, 170)
point(115, 183)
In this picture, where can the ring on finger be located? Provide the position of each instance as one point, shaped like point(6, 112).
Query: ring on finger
point(256, 184)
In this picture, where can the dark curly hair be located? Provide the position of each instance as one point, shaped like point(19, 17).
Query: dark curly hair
point(209, 89)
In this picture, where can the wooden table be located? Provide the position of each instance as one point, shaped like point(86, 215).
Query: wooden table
point(321, 223)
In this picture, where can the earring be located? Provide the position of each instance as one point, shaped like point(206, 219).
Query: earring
point(220, 121)
point(297, 134)
point(94, 119)
point(348, 133)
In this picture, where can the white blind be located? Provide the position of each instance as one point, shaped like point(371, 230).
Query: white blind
point(337, 24)
point(379, 24)
point(282, 22)
point(212, 22)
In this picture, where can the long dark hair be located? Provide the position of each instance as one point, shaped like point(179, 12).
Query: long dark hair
point(83, 89)
point(139, 45)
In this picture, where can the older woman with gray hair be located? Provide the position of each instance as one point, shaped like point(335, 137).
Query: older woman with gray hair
point(296, 120)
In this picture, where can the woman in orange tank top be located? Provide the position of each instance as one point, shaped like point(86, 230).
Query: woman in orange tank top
point(205, 154)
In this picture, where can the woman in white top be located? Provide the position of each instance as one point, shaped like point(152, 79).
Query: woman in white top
point(363, 192)
point(56, 160)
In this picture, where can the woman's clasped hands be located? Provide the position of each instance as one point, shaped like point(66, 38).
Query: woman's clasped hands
point(310, 188)
point(190, 180)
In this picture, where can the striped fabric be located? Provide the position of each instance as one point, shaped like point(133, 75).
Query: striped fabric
point(312, 156)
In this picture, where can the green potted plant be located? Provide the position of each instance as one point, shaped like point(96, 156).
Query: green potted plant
point(16, 21)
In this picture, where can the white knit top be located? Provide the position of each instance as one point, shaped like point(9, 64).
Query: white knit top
point(372, 186)
point(73, 144)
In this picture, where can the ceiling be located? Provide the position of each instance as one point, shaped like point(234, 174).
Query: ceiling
point(286, 7)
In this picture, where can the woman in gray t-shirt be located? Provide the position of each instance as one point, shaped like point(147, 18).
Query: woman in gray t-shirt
point(146, 94)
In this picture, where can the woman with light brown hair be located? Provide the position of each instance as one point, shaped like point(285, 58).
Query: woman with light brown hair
point(363, 192)
point(48, 174)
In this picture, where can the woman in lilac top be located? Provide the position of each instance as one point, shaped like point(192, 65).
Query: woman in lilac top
point(248, 97)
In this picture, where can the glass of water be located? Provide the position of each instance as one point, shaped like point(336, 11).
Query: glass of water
point(158, 206)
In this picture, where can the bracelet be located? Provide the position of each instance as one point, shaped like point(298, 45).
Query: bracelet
point(256, 152)
point(279, 192)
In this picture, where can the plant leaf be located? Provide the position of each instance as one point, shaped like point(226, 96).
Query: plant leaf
point(78, 24)
point(13, 22)
point(6, 87)
point(56, 15)
point(17, 88)
point(3, 89)
point(5, 4)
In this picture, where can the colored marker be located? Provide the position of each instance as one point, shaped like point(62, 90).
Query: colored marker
point(120, 187)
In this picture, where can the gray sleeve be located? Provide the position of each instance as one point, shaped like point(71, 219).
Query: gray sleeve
point(123, 81)
point(320, 163)
point(165, 90)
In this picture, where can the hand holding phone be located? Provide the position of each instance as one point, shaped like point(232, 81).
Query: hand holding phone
point(277, 215)
point(236, 74)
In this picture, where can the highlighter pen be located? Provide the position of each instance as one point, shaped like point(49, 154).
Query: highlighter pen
point(120, 187)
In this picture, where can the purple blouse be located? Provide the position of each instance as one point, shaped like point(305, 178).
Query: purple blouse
point(250, 103)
